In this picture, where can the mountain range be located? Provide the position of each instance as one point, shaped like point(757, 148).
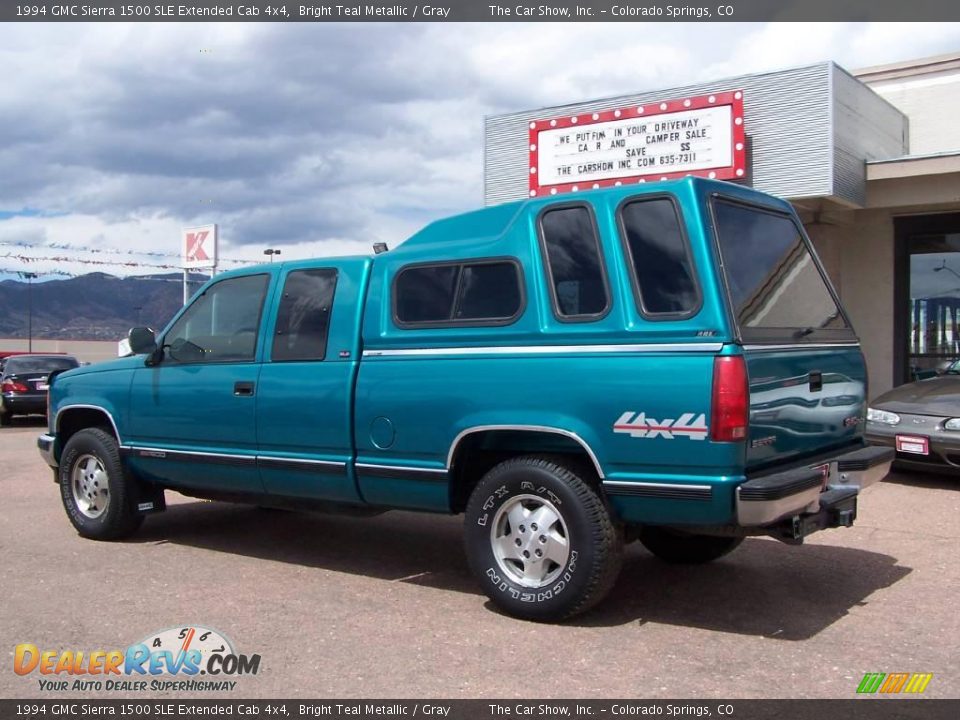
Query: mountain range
point(96, 306)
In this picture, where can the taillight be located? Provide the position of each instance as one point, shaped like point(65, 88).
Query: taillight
point(730, 403)
point(13, 386)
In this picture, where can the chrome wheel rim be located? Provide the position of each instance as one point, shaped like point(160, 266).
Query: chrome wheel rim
point(91, 489)
point(530, 541)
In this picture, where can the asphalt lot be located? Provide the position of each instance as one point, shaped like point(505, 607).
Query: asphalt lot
point(342, 607)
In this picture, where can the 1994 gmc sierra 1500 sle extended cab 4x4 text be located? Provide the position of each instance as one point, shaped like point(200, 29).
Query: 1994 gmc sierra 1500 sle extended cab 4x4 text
point(665, 362)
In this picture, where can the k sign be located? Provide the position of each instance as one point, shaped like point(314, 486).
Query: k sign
point(199, 247)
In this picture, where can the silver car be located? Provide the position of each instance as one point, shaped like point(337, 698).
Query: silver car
point(921, 420)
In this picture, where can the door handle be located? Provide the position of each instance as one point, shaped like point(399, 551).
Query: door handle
point(243, 388)
point(816, 381)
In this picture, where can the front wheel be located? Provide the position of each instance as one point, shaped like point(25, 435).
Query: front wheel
point(681, 548)
point(99, 497)
point(540, 540)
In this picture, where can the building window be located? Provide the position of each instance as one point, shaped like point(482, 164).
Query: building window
point(934, 311)
point(662, 270)
point(303, 318)
point(574, 263)
point(485, 292)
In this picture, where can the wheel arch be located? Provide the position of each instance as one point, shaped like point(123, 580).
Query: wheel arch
point(476, 449)
point(70, 419)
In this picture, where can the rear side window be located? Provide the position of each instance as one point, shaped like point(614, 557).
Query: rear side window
point(574, 263)
point(426, 294)
point(776, 288)
point(488, 291)
point(662, 271)
point(303, 318)
point(470, 293)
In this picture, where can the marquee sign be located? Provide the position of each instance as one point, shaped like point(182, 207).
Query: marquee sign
point(199, 247)
point(700, 136)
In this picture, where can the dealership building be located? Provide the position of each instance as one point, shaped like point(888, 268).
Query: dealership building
point(870, 159)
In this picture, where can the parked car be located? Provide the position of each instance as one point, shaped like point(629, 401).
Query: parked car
point(24, 382)
point(917, 373)
point(921, 421)
point(568, 372)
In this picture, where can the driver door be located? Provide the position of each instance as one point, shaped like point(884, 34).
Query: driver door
point(192, 420)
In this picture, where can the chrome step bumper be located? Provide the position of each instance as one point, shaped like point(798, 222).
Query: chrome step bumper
point(767, 499)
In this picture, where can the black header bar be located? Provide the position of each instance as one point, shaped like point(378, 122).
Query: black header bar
point(482, 11)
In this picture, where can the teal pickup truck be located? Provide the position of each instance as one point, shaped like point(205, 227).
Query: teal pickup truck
point(665, 363)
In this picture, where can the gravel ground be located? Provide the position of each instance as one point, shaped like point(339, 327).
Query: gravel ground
point(341, 607)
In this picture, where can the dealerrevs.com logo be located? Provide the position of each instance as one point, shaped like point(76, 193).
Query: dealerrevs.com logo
point(187, 658)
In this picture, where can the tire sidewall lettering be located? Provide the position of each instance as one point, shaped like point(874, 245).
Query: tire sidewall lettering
point(531, 595)
point(503, 491)
point(66, 489)
point(497, 581)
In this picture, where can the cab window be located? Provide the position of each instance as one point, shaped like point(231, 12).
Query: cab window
point(303, 318)
point(221, 324)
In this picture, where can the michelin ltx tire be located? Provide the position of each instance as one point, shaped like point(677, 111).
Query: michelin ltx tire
point(98, 495)
point(540, 539)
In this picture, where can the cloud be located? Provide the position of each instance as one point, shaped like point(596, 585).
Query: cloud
point(322, 138)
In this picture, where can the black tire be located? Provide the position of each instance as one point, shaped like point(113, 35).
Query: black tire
point(681, 548)
point(6, 419)
point(590, 556)
point(91, 460)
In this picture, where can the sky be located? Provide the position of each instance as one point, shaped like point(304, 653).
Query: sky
point(319, 139)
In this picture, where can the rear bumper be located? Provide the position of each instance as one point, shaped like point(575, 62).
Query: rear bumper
point(24, 404)
point(823, 494)
point(46, 445)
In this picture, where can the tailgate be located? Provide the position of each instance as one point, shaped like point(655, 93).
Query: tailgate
point(803, 400)
point(806, 371)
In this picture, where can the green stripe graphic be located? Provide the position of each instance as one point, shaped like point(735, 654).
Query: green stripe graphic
point(871, 682)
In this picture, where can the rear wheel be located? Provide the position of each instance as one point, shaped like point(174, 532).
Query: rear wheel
point(681, 548)
point(6, 419)
point(540, 540)
point(99, 497)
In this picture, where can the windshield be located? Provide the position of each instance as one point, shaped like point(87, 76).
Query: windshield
point(16, 366)
point(776, 288)
point(952, 368)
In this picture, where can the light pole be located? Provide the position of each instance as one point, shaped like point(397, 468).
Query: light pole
point(29, 277)
point(270, 252)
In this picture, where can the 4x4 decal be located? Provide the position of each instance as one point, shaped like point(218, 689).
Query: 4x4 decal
point(639, 425)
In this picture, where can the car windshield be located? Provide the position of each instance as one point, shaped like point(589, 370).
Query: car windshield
point(15, 366)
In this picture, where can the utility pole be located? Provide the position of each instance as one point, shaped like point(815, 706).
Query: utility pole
point(29, 277)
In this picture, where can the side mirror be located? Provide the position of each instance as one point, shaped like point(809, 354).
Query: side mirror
point(141, 340)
